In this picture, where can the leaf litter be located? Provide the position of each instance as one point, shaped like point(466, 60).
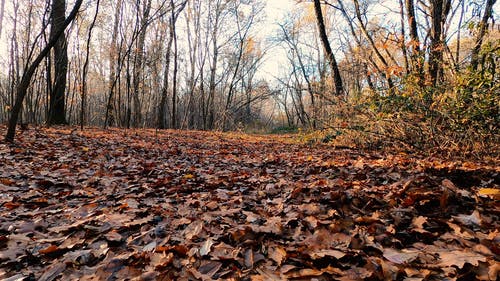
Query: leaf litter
point(184, 205)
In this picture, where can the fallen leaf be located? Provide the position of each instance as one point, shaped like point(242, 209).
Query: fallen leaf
point(491, 192)
point(277, 254)
point(205, 248)
point(52, 272)
point(400, 257)
point(327, 253)
point(49, 250)
point(460, 258)
point(473, 219)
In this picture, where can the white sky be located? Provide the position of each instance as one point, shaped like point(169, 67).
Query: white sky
point(276, 10)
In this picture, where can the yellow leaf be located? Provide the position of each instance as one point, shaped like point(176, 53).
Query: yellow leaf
point(494, 192)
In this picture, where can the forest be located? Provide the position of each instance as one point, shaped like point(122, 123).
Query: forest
point(423, 74)
point(249, 140)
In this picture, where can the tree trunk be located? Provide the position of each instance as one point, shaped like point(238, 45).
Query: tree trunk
point(2, 9)
point(439, 10)
point(339, 90)
point(25, 81)
point(139, 64)
point(483, 26)
point(162, 109)
point(213, 67)
point(372, 44)
point(416, 56)
point(57, 111)
point(85, 68)
point(113, 61)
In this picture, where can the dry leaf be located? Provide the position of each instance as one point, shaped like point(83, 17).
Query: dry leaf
point(460, 258)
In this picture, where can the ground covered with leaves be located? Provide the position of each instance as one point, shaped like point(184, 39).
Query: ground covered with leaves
point(183, 205)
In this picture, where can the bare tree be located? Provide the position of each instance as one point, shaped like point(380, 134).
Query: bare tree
point(26, 78)
point(139, 61)
point(439, 10)
point(57, 111)
point(483, 27)
point(379, 55)
point(328, 49)
point(85, 68)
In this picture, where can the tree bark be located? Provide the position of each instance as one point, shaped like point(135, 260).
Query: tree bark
point(416, 58)
point(57, 111)
point(85, 68)
point(114, 60)
point(139, 64)
point(25, 81)
point(337, 79)
point(439, 10)
point(483, 26)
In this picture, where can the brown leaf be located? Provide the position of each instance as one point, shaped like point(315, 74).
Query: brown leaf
point(249, 258)
point(205, 248)
point(161, 260)
point(400, 257)
point(326, 253)
point(460, 258)
point(52, 272)
point(114, 237)
point(277, 254)
point(223, 251)
point(473, 219)
point(210, 268)
point(49, 250)
point(193, 230)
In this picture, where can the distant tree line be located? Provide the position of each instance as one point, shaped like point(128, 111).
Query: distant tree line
point(405, 69)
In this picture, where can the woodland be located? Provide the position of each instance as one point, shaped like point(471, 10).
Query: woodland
point(249, 140)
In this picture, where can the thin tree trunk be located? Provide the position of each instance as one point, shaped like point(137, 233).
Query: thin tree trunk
point(403, 35)
point(85, 67)
point(162, 111)
point(483, 27)
point(211, 87)
point(372, 44)
point(337, 79)
point(113, 61)
point(139, 64)
point(2, 9)
point(416, 56)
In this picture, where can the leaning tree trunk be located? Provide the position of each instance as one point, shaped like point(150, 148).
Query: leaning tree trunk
point(372, 45)
point(57, 111)
point(483, 26)
point(328, 49)
point(22, 88)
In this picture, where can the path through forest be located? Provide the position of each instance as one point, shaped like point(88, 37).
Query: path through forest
point(186, 205)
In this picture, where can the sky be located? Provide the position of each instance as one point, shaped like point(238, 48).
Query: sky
point(276, 10)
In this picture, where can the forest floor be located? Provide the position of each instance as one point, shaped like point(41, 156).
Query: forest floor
point(188, 205)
